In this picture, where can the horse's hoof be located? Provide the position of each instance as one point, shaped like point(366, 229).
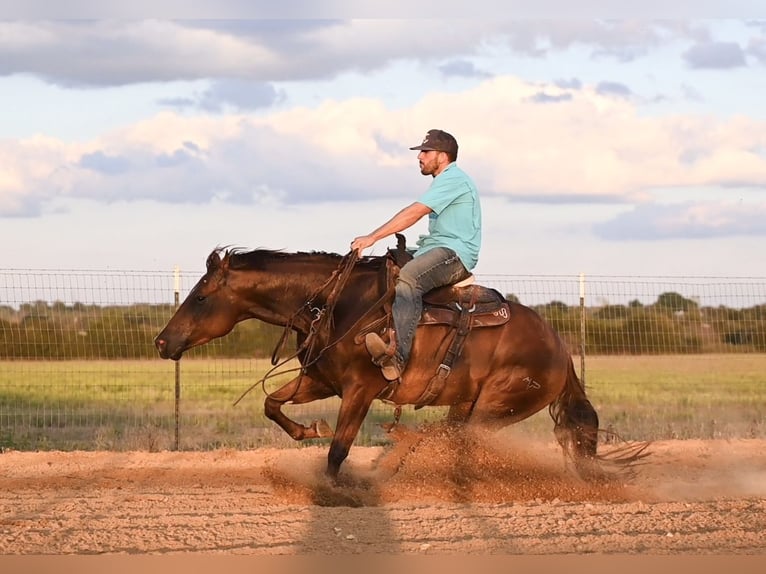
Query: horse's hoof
point(322, 429)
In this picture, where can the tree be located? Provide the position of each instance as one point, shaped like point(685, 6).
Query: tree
point(675, 302)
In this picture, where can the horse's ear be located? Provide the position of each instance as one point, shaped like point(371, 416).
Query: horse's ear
point(213, 261)
point(224, 266)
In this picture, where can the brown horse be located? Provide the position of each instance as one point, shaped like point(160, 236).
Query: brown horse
point(501, 375)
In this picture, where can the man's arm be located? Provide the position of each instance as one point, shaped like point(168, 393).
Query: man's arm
point(399, 222)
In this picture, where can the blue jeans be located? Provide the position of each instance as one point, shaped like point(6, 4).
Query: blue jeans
point(435, 268)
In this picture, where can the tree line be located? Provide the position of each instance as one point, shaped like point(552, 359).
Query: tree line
point(672, 324)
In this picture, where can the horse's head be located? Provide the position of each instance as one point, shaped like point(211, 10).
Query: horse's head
point(208, 312)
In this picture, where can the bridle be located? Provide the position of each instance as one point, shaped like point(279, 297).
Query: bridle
point(319, 320)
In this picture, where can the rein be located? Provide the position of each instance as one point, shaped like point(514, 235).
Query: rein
point(321, 322)
point(340, 276)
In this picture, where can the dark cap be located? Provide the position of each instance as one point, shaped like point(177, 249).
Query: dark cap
point(438, 140)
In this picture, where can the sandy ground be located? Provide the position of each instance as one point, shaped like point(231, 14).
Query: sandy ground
point(418, 496)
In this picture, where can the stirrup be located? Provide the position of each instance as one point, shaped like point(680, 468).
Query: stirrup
point(383, 355)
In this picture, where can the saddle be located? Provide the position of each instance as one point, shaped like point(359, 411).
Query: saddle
point(463, 306)
point(485, 306)
point(445, 305)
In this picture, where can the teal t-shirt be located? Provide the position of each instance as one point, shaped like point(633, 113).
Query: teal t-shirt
point(455, 219)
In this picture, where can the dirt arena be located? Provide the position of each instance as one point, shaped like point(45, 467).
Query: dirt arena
point(416, 497)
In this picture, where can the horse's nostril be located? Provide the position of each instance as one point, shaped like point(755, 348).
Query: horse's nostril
point(160, 343)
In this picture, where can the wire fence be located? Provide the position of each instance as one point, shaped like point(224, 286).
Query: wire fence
point(78, 369)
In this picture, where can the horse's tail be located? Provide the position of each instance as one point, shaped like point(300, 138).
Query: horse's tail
point(576, 421)
point(576, 429)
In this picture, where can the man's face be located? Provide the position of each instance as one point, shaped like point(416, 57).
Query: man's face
point(429, 162)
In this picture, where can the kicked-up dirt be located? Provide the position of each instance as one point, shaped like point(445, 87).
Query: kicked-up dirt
point(422, 495)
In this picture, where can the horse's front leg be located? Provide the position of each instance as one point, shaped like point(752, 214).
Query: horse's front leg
point(354, 406)
point(302, 389)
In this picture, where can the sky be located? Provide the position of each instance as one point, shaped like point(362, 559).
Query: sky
point(615, 146)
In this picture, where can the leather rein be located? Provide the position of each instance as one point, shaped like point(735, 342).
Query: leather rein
point(320, 321)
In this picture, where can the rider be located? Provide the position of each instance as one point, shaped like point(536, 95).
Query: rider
point(446, 255)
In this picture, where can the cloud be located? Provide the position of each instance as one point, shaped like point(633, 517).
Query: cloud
point(100, 162)
point(179, 157)
point(568, 84)
point(586, 148)
point(757, 49)
point(613, 89)
point(462, 68)
point(543, 98)
point(236, 94)
point(121, 52)
point(19, 205)
point(715, 219)
point(715, 55)
point(620, 40)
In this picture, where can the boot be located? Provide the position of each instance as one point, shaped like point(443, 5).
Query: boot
point(384, 355)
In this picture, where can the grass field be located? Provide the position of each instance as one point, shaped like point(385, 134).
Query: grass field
point(124, 405)
point(685, 396)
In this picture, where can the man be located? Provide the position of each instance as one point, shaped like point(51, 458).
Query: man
point(446, 255)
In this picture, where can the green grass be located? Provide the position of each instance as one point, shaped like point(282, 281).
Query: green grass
point(131, 404)
point(680, 396)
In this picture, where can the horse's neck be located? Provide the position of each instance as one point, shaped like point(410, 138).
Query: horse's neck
point(295, 289)
point(273, 297)
point(282, 293)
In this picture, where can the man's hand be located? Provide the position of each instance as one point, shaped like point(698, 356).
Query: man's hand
point(362, 242)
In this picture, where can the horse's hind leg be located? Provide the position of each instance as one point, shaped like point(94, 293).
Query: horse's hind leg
point(579, 427)
point(577, 433)
point(300, 390)
point(576, 426)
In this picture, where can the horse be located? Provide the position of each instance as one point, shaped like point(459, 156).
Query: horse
point(500, 374)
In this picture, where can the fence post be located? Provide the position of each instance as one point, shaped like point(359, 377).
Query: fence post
point(177, 289)
point(582, 328)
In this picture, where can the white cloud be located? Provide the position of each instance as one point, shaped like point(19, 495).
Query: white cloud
point(715, 55)
point(585, 147)
point(120, 52)
point(712, 219)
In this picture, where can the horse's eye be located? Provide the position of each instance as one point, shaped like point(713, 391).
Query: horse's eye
point(200, 298)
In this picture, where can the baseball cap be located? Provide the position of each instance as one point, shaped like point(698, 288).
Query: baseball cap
point(438, 140)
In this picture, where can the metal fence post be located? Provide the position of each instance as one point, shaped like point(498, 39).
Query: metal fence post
point(582, 328)
point(177, 289)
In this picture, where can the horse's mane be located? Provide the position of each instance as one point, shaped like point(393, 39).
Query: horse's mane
point(238, 258)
